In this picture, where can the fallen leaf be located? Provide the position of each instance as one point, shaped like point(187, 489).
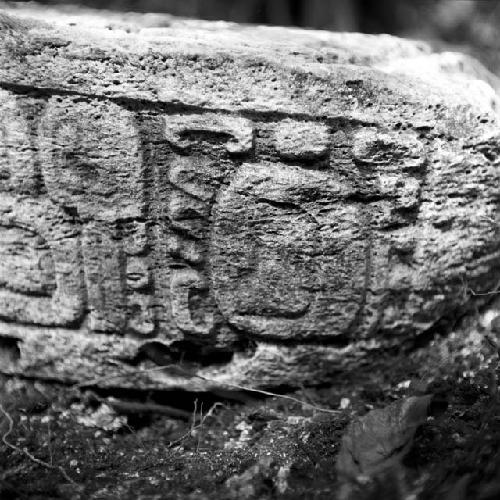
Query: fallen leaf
point(381, 438)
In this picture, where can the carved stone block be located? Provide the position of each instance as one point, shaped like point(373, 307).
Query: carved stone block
point(258, 213)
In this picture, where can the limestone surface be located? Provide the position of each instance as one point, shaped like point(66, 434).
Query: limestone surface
point(246, 205)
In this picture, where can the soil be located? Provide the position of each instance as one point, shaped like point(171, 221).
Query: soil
point(111, 445)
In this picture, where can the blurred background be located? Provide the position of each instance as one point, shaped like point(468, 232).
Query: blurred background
point(472, 26)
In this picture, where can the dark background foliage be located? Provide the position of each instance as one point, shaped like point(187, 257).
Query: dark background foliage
point(454, 19)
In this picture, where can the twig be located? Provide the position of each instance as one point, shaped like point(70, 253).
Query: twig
point(478, 294)
point(273, 394)
point(189, 433)
point(137, 407)
point(49, 443)
point(201, 377)
point(468, 289)
point(26, 453)
point(195, 411)
point(200, 428)
point(133, 407)
point(134, 433)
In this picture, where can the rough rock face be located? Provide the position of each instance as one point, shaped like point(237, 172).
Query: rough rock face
point(260, 206)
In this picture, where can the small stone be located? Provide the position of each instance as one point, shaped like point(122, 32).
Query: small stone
point(344, 403)
point(104, 418)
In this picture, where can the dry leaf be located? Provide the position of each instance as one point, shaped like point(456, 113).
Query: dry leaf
point(381, 438)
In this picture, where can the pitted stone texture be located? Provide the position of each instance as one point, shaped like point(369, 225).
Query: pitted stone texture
point(256, 206)
point(302, 140)
point(288, 257)
point(41, 279)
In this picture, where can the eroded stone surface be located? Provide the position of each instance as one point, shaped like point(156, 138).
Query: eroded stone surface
point(289, 257)
point(258, 213)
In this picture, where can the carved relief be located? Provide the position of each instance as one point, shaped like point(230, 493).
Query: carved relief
point(194, 181)
point(40, 264)
point(288, 258)
point(18, 169)
point(282, 251)
point(92, 167)
point(236, 132)
point(183, 282)
point(289, 251)
point(301, 140)
point(140, 283)
point(27, 265)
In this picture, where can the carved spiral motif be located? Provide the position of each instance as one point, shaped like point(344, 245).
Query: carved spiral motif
point(211, 226)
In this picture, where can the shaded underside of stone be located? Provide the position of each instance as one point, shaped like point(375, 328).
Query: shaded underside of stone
point(248, 205)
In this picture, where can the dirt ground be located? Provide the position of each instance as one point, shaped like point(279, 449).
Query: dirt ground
point(63, 443)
